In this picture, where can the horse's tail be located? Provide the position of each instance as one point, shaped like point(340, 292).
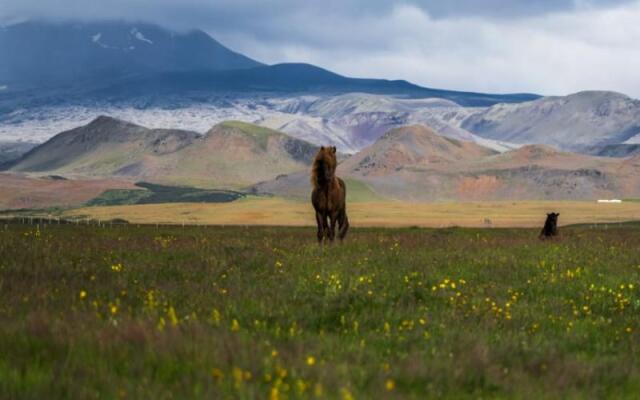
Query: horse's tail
point(343, 220)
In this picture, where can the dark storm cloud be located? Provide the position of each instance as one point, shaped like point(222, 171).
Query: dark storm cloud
point(243, 14)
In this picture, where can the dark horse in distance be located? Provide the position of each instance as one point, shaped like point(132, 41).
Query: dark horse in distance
point(550, 228)
point(328, 196)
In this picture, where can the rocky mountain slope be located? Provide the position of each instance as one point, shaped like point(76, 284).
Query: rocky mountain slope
point(414, 147)
point(574, 122)
point(355, 120)
point(102, 147)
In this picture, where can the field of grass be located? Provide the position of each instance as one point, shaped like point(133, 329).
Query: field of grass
point(358, 191)
point(260, 312)
point(276, 211)
point(151, 193)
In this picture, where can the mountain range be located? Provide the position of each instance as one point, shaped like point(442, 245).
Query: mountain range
point(353, 121)
point(412, 163)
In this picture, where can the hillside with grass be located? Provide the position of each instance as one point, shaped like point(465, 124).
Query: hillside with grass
point(232, 154)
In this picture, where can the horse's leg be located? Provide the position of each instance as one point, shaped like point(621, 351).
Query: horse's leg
point(332, 228)
point(344, 225)
point(321, 224)
point(325, 226)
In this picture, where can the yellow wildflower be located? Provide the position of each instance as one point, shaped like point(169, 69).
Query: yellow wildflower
point(390, 384)
point(215, 317)
point(217, 374)
point(171, 313)
point(346, 394)
point(235, 326)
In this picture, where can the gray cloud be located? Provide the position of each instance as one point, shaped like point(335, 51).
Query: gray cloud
point(544, 46)
point(243, 12)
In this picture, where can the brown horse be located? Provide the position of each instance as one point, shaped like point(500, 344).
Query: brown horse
point(328, 196)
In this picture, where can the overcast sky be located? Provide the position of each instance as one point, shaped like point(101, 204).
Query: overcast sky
point(542, 46)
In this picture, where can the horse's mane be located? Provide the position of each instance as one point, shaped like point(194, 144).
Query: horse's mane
point(325, 154)
point(314, 172)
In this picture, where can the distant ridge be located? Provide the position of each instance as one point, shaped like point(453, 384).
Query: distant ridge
point(292, 78)
point(575, 122)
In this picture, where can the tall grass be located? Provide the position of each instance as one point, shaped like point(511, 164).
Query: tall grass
point(171, 312)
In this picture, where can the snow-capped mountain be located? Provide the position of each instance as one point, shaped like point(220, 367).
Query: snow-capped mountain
point(41, 53)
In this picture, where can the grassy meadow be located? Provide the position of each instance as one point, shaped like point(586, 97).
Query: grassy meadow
point(262, 312)
point(368, 213)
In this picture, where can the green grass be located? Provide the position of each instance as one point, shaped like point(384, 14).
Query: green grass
point(117, 197)
point(261, 133)
point(210, 312)
point(154, 194)
point(359, 191)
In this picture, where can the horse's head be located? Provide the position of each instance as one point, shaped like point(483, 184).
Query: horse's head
point(324, 165)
